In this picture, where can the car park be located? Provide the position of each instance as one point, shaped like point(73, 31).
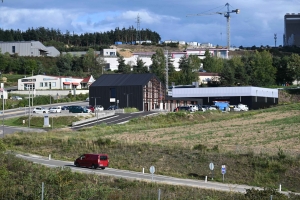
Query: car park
point(112, 107)
point(40, 110)
point(92, 160)
point(55, 109)
point(16, 98)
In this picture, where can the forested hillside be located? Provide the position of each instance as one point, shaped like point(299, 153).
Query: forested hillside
point(70, 41)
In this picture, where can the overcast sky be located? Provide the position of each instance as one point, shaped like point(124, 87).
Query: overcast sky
point(256, 23)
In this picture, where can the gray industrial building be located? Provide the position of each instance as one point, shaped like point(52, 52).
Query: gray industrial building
point(28, 48)
point(291, 35)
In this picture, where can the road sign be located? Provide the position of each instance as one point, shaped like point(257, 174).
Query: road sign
point(211, 166)
point(152, 169)
point(223, 170)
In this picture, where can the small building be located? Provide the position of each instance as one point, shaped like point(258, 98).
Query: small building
point(109, 52)
point(28, 48)
point(142, 91)
point(43, 82)
point(86, 82)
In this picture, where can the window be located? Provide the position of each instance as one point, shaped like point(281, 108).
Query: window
point(46, 84)
point(103, 157)
point(53, 84)
point(112, 92)
point(13, 49)
point(41, 84)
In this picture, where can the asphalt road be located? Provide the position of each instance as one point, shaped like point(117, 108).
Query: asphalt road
point(141, 176)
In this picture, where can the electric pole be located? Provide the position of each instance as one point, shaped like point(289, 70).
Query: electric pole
point(275, 38)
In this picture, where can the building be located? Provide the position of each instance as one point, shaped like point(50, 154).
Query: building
point(43, 82)
point(291, 35)
point(253, 97)
point(142, 91)
point(28, 48)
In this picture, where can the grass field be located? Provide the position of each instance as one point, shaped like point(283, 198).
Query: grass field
point(259, 148)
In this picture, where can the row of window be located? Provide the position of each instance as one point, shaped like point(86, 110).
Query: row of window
point(47, 84)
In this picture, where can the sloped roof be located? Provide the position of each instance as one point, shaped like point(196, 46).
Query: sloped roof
point(123, 79)
point(86, 80)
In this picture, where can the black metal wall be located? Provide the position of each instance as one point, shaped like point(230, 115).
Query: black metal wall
point(103, 95)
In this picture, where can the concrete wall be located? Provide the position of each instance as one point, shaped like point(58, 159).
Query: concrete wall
point(51, 92)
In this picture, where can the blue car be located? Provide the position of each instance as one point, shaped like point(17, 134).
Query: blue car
point(114, 107)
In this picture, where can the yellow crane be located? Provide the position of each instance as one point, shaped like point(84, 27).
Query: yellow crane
point(227, 15)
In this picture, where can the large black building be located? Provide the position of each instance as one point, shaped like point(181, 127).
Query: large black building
point(142, 91)
point(291, 29)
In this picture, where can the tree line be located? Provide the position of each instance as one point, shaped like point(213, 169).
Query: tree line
point(257, 68)
point(70, 41)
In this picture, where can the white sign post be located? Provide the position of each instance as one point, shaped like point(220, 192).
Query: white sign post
point(223, 170)
point(211, 167)
point(152, 170)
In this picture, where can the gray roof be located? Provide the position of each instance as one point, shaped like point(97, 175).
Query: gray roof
point(123, 79)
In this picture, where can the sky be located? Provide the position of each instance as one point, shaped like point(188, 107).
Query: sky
point(176, 20)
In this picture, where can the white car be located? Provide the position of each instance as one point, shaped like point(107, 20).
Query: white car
point(243, 107)
point(55, 109)
point(40, 110)
point(234, 108)
point(87, 99)
point(193, 108)
point(213, 107)
point(16, 98)
point(99, 108)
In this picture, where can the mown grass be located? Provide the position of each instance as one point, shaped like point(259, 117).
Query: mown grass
point(38, 122)
point(173, 158)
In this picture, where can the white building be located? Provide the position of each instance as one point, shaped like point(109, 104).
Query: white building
point(28, 48)
point(43, 82)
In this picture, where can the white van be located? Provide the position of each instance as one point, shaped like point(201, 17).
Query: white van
point(243, 107)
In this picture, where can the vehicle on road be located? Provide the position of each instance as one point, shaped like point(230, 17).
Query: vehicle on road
point(40, 110)
point(16, 98)
point(55, 109)
point(78, 109)
point(92, 160)
point(113, 107)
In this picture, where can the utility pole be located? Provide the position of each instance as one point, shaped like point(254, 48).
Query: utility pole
point(167, 70)
point(275, 38)
point(138, 32)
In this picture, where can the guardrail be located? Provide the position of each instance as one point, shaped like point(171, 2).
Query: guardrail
point(101, 114)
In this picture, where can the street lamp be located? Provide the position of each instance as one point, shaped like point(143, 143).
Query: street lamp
point(95, 108)
point(127, 98)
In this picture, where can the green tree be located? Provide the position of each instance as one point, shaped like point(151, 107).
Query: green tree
point(189, 69)
point(122, 67)
point(158, 66)
point(140, 67)
point(294, 65)
point(284, 72)
point(263, 73)
point(240, 75)
point(227, 75)
point(208, 62)
point(64, 64)
point(98, 69)
point(89, 60)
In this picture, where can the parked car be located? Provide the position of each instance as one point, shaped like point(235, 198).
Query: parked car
point(113, 107)
point(182, 108)
point(55, 109)
point(200, 108)
point(87, 99)
point(92, 160)
point(40, 110)
point(193, 108)
point(77, 109)
point(234, 108)
point(90, 108)
point(65, 108)
point(243, 107)
point(206, 107)
point(99, 108)
point(16, 98)
point(213, 107)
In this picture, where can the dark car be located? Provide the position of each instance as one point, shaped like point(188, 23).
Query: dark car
point(65, 108)
point(113, 107)
point(182, 108)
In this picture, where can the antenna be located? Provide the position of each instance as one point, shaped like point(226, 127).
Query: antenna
point(138, 30)
point(275, 38)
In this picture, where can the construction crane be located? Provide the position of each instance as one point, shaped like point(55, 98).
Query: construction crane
point(227, 15)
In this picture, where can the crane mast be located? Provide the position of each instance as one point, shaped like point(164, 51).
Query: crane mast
point(227, 15)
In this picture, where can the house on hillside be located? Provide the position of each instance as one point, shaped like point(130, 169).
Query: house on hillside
point(28, 48)
point(142, 91)
point(86, 82)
